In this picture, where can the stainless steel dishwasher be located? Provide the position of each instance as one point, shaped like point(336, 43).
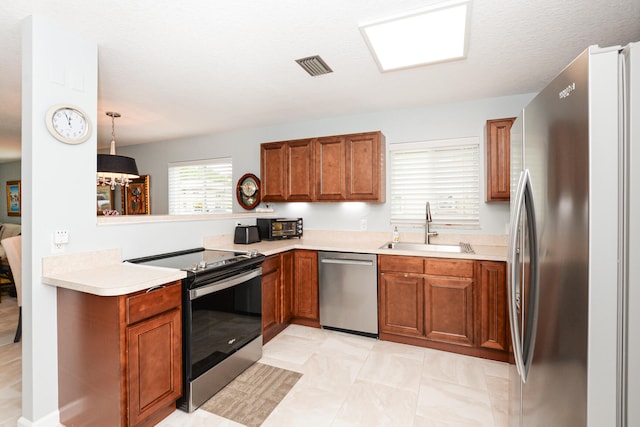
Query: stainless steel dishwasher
point(349, 292)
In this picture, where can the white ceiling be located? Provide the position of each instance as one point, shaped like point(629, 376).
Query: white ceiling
point(183, 68)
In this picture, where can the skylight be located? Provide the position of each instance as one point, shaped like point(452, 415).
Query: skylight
point(431, 35)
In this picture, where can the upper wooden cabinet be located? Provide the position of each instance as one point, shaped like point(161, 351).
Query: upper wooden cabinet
point(273, 166)
point(326, 169)
point(331, 172)
point(365, 167)
point(300, 171)
point(498, 159)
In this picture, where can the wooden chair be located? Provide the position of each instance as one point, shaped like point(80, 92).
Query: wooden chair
point(13, 250)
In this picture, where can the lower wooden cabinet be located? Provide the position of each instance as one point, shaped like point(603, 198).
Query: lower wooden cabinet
point(450, 304)
point(277, 284)
point(306, 308)
point(120, 357)
point(493, 320)
point(449, 300)
point(401, 304)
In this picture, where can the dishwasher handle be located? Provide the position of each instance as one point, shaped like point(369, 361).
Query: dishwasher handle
point(346, 261)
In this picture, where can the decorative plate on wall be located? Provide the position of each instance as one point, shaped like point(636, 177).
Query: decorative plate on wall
point(248, 191)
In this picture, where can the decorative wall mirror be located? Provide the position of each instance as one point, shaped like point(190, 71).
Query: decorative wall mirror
point(248, 191)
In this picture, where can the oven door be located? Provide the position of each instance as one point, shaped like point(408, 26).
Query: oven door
point(224, 316)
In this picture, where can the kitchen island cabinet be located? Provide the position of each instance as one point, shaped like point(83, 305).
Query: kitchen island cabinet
point(119, 357)
point(453, 305)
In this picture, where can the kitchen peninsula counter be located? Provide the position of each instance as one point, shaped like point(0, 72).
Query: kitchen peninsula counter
point(488, 248)
point(103, 273)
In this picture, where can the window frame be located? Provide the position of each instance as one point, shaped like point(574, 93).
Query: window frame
point(464, 157)
point(212, 199)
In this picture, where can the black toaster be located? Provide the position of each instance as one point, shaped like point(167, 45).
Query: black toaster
point(246, 234)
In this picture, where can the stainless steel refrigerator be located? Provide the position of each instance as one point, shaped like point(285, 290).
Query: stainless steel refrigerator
point(572, 283)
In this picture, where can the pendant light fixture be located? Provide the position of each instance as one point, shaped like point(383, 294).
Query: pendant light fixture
point(115, 170)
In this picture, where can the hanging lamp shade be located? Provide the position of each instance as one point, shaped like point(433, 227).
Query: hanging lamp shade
point(113, 169)
point(114, 166)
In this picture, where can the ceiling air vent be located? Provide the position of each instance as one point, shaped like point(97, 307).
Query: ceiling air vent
point(314, 65)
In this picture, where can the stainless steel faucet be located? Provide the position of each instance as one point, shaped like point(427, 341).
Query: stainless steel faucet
point(427, 221)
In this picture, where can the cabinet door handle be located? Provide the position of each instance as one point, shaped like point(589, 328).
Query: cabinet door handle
point(154, 288)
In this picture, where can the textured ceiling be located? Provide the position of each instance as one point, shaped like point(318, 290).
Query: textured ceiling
point(175, 69)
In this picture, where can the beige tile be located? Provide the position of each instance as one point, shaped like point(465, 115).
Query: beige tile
point(393, 370)
point(499, 397)
point(339, 344)
point(308, 404)
point(407, 351)
point(454, 368)
point(198, 418)
point(455, 404)
point(376, 405)
point(290, 348)
point(333, 369)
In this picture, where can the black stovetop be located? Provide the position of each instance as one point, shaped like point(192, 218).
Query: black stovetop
point(200, 262)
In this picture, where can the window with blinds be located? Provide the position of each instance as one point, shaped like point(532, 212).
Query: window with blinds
point(444, 173)
point(200, 187)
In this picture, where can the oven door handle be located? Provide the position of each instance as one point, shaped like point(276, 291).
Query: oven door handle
point(224, 284)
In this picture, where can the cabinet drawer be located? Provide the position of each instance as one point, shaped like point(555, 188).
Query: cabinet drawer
point(147, 304)
point(448, 267)
point(271, 263)
point(402, 264)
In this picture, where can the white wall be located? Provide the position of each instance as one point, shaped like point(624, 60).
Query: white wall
point(58, 192)
point(419, 124)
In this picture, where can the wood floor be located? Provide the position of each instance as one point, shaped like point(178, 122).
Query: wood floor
point(10, 364)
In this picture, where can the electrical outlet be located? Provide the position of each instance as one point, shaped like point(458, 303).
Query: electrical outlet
point(60, 239)
point(363, 224)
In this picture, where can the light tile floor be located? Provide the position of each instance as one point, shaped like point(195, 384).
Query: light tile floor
point(350, 380)
point(347, 380)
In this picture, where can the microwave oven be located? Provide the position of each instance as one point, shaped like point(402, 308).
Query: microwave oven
point(279, 228)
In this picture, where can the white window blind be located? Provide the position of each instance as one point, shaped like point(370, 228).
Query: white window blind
point(200, 187)
point(444, 173)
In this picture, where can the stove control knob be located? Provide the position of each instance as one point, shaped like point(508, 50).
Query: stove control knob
point(193, 267)
point(202, 265)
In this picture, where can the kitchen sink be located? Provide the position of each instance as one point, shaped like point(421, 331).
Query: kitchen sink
point(406, 246)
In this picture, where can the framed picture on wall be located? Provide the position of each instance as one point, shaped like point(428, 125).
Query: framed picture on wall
point(14, 203)
point(105, 199)
point(135, 197)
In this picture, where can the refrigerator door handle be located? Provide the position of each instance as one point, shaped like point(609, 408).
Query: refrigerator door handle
point(523, 344)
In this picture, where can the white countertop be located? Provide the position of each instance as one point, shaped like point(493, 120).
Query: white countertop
point(361, 242)
point(103, 273)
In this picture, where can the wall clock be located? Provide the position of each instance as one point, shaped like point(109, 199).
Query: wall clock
point(68, 124)
point(248, 191)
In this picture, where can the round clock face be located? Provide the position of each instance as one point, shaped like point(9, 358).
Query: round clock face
point(68, 124)
point(248, 191)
